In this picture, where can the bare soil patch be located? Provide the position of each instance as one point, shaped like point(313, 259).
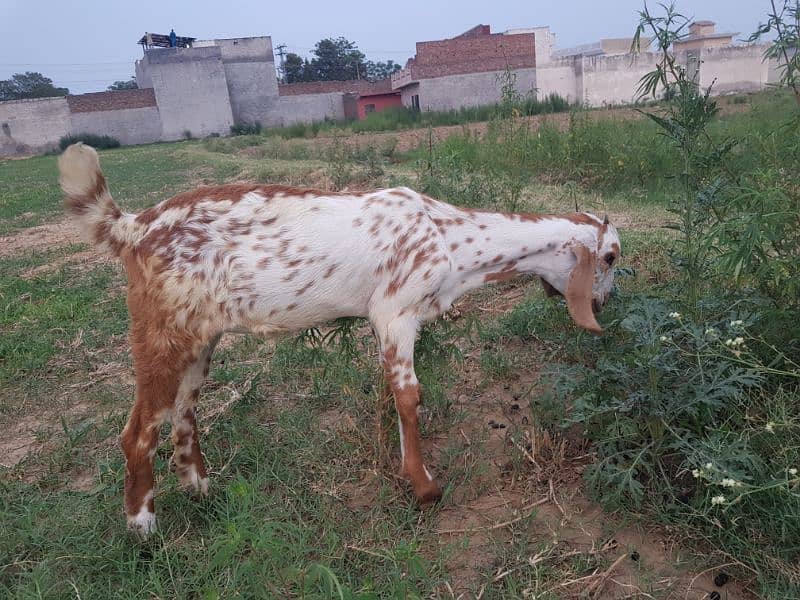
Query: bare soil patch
point(40, 237)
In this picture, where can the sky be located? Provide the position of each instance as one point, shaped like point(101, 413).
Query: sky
point(85, 45)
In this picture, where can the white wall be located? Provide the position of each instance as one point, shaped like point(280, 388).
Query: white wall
point(558, 77)
point(32, 125)
point(734, 69)
point(305, 108)
point(191, 91)
point(470, 89)
point(614, 79)
point(129, 126)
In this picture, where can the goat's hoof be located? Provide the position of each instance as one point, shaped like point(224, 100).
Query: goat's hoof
point(428, 494)
point(142, 524)
point(190, 480)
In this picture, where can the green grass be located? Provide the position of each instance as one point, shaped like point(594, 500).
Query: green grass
point(40, 315)
point(139, 176)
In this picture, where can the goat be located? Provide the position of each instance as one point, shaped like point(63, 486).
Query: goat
point(271, 259)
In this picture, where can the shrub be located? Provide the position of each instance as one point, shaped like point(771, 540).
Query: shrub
point(98, 142)
point(246, 128)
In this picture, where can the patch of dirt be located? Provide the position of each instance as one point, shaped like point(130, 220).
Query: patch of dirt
point(87, 259)
point(41, 237)
point(20, 439)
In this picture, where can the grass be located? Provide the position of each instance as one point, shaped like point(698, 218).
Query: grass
point(305, 503)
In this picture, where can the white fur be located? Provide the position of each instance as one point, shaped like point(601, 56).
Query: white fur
point(143, 522)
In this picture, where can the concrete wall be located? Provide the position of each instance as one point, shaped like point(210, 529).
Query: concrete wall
point(560, 77)
point(613, 79)
point(287, 110)
point(471, 89)
point(191, 90)
point(734, 69)
point(407, 92)
point(250, 74)
point(129, 126)
point(32, 125)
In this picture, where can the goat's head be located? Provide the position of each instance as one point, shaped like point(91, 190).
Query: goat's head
point(587, 280)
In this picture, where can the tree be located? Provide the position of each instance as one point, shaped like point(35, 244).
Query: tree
point(123, 85)
point(337, 60)
point(381, 70)
point(295, 68)
point(29, 85)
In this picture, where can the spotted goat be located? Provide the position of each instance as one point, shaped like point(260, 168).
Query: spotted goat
point(271, 259)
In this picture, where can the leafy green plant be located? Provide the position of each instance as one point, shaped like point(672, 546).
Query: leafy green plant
point(785, 24)
point(685, 122)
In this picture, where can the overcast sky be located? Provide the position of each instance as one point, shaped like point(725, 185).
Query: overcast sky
point(87, 44)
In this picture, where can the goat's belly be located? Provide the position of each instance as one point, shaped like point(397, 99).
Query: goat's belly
point(279, 313)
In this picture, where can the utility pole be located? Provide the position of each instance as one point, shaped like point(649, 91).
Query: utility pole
point(281, 53)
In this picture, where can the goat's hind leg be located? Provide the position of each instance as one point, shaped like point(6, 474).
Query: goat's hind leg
point(187, 457)
point(156, 385)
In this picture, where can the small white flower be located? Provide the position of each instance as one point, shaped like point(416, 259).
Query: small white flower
point(696, 473)
point(770, 427)
point(674, 315)
point(738, 341)
point(716, 500)
point(729, 342)
point(663, 338)
point(737, 323)
point(709, 466)
point(792, 471)
point(728, 482)
point(711, 332)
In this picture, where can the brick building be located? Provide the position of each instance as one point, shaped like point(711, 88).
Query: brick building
point(465, 70)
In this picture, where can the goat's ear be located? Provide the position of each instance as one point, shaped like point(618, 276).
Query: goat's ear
point(579, 290)
point(549, 290)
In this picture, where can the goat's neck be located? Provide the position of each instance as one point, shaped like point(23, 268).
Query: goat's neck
point(488, 247)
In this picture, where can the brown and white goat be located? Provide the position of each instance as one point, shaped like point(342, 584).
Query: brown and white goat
point(270, 259)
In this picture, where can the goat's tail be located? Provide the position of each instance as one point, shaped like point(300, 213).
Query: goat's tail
point(88, 201)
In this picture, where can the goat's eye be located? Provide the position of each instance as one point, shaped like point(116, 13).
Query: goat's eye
point(610, 258)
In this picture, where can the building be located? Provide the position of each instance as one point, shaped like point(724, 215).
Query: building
point(703, 37)
point(378, 97)
point(466, 70)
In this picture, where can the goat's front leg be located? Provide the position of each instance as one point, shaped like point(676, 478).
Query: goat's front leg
point(397, 344)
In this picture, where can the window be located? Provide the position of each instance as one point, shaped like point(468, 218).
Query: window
point(415, 102)
point(369, 108)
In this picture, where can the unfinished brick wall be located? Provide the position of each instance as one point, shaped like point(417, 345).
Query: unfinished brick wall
point(98, 101)
point(473, 53)
point(356, 86)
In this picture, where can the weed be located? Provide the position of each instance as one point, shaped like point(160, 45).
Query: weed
point(98, 142)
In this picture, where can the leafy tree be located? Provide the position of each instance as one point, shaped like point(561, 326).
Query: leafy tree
point(29, 85)
point(337, 59)
point(295, 68)
point(381, 70)
point(123, 85)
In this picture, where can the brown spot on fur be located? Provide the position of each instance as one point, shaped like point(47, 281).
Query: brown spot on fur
point(330, 271)
point(507, 272)
point(453, 246)
point(304, 289)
